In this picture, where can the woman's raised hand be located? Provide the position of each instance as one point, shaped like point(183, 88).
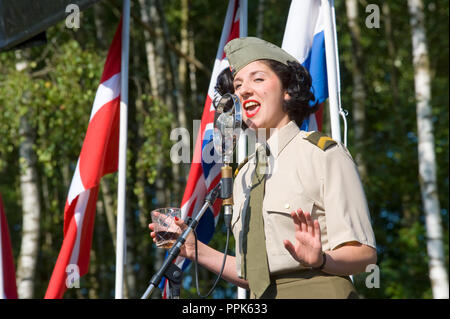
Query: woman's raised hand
point(308, 246)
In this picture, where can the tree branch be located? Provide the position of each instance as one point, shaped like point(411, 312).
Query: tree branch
point(189, 59)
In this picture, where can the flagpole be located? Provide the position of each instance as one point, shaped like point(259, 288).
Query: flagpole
point(334, 85)
point(243, 18)
point(332, 68)
point(121, 199)
point(242, 144)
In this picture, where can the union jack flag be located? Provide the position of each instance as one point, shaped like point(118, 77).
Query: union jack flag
point(204, 175)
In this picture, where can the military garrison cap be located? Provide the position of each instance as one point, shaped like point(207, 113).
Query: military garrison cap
point(242, 51)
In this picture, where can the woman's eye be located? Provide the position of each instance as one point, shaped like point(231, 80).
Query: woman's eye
point(259, 79)
point(237, 86)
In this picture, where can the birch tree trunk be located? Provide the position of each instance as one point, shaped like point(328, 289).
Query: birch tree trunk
point(155, 65)
point(154, 55)
point(31, 210)
point(155, 61)
point(182, 65)
point(31, 213)
point(174, 101)
point(182, 98)
point(145, 9)
point(162, 67)
point(359, 92)
point(427, 161)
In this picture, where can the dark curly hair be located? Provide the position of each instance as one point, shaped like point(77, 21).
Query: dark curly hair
point(294, 78)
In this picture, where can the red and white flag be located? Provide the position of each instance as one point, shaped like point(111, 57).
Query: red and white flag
point(8, 287)
point(98, 157)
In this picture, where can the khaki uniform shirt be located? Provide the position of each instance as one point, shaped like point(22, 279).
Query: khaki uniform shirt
point(301, 175)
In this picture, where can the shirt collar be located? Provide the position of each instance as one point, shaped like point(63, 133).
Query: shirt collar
point(281, 137)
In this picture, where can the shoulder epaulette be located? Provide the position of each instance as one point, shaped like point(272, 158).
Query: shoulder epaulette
point(321, 140)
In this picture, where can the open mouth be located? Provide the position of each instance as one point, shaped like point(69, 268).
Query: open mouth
point(251, 108)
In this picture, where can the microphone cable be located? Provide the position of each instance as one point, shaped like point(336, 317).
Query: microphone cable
point(221, 270)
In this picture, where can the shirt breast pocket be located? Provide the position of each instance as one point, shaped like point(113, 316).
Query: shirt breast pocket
point(279, 224)
point(287, 205)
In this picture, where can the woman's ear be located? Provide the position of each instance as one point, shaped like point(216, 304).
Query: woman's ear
point(287, 96)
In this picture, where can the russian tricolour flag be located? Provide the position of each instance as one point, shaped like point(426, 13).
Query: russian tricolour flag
point(205, 175)
point(304, 39)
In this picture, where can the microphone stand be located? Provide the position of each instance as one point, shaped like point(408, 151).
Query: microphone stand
point(170, 270)
point(226, 193)
point(227, 118)
point(225, 187)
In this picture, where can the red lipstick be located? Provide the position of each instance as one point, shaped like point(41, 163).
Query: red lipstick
point(251, 108)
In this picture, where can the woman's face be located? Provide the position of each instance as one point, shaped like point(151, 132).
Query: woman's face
point(262, 95)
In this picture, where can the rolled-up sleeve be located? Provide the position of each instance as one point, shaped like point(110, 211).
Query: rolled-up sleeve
point(347, 213)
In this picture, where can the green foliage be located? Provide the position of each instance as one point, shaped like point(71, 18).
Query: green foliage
point(154, 131)
point(390, 148)
point(56, 89)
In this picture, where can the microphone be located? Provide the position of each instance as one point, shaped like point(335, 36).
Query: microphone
point(227, 118)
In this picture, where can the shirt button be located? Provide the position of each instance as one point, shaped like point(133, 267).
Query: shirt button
point(287, 206)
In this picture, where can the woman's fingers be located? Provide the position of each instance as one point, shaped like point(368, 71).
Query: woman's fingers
point(305, 223)
point(316, 228)
point(296, 220)
point(310, 224)
point(151, 226)
point(302, 218)
point(180, 223)
point(290, 248)
point(307, 236)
